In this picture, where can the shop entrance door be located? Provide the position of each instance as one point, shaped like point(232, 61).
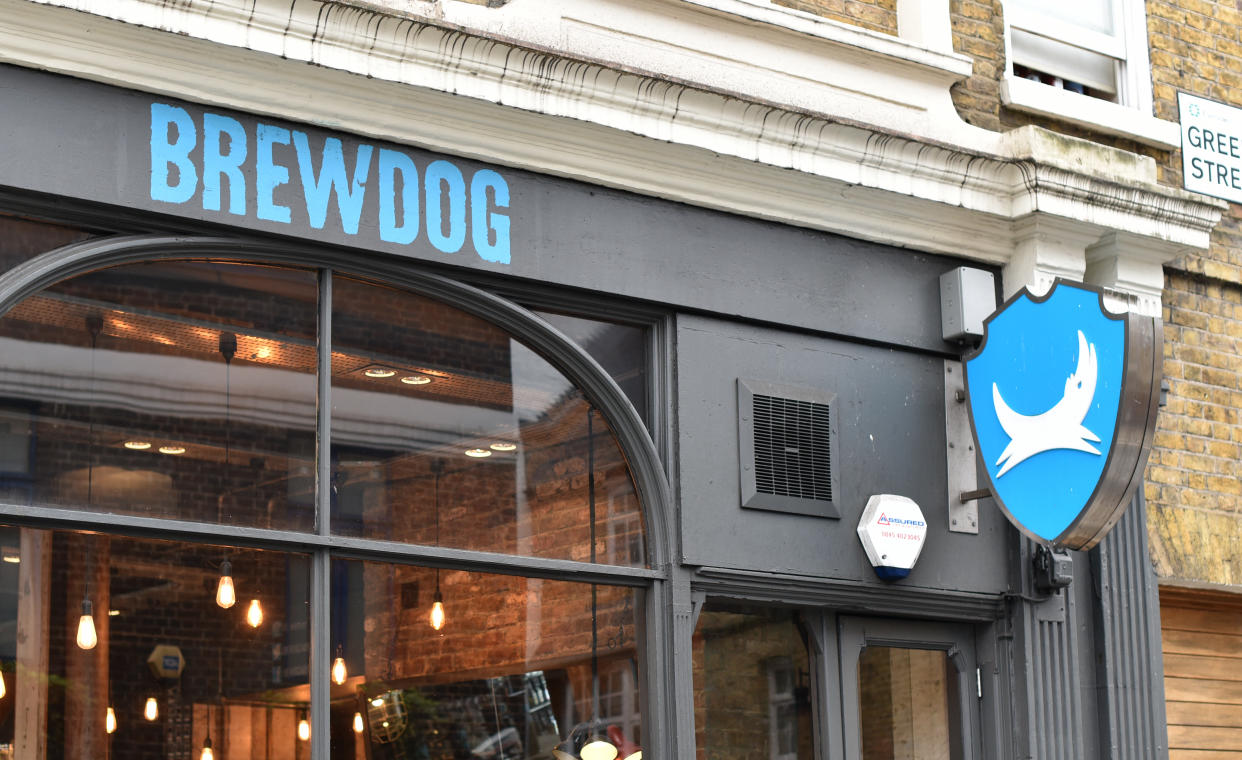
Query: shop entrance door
point(908, 690)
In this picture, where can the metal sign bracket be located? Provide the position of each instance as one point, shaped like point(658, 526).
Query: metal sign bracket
point(961, 471)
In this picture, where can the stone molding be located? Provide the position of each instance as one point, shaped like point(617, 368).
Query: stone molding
point(884, 159)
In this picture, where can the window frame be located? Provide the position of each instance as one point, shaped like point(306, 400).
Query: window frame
point(956, 640)
point(646, 467)
point(1131, 116)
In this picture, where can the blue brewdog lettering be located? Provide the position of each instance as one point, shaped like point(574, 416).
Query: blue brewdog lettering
point(1063, 398)
point(270, 172)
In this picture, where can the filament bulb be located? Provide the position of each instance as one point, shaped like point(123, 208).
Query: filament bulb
point(254, 614)
point(207, 753)
point(358, 723)
point(339, 673)
point(225, 595)
point(87, 638)
point(151, 710)
point(304, 729)
point(598, 748)
point(110, 721)
point(3, 690)
point(437, 612)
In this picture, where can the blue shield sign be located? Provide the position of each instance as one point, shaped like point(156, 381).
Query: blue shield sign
point(1063, 397)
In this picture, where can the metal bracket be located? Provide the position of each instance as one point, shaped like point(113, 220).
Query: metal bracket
point(961, 473)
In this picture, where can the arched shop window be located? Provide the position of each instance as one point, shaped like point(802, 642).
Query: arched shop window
point(249, 503)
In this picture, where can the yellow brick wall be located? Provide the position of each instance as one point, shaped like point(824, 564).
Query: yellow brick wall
point(876, 15)
point(1194, 480)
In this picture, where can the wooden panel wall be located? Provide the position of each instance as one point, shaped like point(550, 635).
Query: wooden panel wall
point(1202, 643)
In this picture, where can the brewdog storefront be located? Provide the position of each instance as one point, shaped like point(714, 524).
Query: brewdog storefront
point(316, 446)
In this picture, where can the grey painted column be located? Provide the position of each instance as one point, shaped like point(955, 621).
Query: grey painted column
point(1049, 708)
point(1130, 666)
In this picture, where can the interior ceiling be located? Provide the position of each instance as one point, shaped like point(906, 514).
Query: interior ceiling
point(54, 317)
point(138, 331)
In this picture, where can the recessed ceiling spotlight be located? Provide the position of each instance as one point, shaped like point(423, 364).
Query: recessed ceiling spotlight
point(503, 446)
point(174, 450)
point(379, 372)
point(138, 445)
point(416, 379)
point(478, 453)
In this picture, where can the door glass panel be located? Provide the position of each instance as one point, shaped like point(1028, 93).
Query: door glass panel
point(904, 704)
point(751, 686)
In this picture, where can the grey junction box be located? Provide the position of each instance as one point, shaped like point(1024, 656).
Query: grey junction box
point(967, 297)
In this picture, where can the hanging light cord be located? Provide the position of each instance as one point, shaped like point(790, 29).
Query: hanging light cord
point(94, 325)
point(228, 349)
point(438, 468)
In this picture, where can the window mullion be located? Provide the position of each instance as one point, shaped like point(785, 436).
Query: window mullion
point(321, 562)
point(323, 421)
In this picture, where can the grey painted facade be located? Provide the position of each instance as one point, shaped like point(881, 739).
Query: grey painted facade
point(1067, 675)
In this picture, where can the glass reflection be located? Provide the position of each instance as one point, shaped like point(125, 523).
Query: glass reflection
point(751, 685)
point(182, 390)
point(904, 704)
point(170, 669)
point(620, 349)
point(446, 431)
point(512, 675)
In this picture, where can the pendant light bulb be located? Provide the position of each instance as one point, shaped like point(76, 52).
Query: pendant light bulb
point(304, 729)
point(438, 617)
point(339, 673)
point(598, 748)
point(151, 710)
point(358, 723)
point(254, 614)
point(207, 753)
point(87, 638)
point(110, 721)
point(3, 690)
point(226, 596)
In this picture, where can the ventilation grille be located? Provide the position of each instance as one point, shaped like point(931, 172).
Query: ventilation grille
point(792, 452)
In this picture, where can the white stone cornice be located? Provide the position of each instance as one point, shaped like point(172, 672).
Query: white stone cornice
point(504, 96)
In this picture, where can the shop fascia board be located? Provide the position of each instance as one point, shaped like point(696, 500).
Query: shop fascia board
point(413, 81)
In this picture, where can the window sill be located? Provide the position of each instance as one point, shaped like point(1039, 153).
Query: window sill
point(1092, 113)
point(848, 35)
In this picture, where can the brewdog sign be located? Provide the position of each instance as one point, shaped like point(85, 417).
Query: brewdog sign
point(1063, 396)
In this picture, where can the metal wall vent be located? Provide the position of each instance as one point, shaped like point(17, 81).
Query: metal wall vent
point(788, 449)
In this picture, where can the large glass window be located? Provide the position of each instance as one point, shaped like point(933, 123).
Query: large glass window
point(382, 507)
point(120, 647)
point(518, 667)
point(176, 390)
point(448, 432)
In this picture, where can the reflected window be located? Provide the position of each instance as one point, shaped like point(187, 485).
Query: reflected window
point(751, 685)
